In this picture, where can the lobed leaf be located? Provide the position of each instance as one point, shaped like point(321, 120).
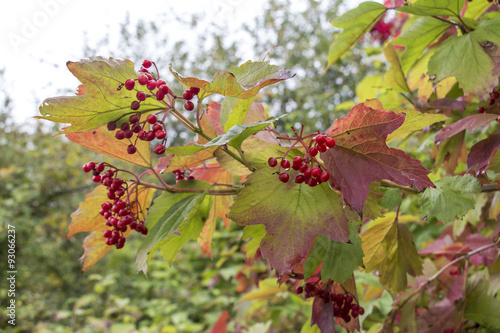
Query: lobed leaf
point(470, 122)
point(482, 154)
point(415, 121)
point(355, 23)
point(451, 198)
point(362, 156)
point(290, 220)
point(103, 101)
point(395, 77)
point(389, 249)
point(434, 7)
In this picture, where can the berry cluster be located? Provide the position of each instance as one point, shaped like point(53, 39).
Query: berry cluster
point(343, 303)
point(181, 175)
point(135, 126)
point(118, 212)
point(188, 96)
point(311, 172)
point(494, 95)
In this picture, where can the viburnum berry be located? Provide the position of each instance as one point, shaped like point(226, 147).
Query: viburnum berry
point(297, 160)
point(285, 163)
point(131, 149)
point(143, 79)
point(150, 136)
point(271, 161)
point(194, 90)
point(120, 135)
point(299, 179)
point(125, 126)
point(160, 135)
point(159, 149)
point(189, 106)
point(188, 95)
point(146, 63)
point(320, 140)
point(316, 172)
point(321, 148)
point(96, 179)
point(313, 151)
point(164, 89)
point(151, 85)
point(129, 133)
point(136, 128)
point(142, 135)
point(152, 119)
point(330, 142)
point(133, 119)
point(325, 176)
point(111, 126)
point(99, 167)
point(157, 127)
point(303, 167)
point(141, 96)
point(160, 83)
point(130, 84)
point(86, 168)
point(284, 177)
point(135, 105)
point(160, 95)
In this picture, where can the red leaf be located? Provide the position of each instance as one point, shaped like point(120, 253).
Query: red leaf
point(362, 156)
point(471, 123)
point(221, 324)
point(487, 257)
point(481, 153)
point(322, 315)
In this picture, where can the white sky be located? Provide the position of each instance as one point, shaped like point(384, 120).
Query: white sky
point(38, 37)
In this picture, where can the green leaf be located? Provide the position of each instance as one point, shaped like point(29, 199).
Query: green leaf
point(102, 102)
point(255, 233)
point(420, 34)
point(394, 78)
point(415, 121)
point(473, 59)
point(476, 8)
point(339, 259)
point(238, 133)
point(389, 248)
point(451, 198)
point(434, 7)
point(165, 217)
point(242, 81)
point(183, 150)
point(483, 308)
point(238, 113)
point(355, 23)
point(286, 211)
point(392, 198)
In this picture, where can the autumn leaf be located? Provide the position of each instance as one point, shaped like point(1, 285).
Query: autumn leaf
point(285, 210)
point(361, 155)
point(482, 153)
point(103, 141)
point(414, 121)
point(389, 249)
point(242, 81)
point(470, 122)
point(87, 218)
point(434, 7)
point(451, 198)
point(103, 101)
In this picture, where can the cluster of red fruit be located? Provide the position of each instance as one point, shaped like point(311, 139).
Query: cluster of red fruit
point(309, 174)
point(494, 95)
point(118, 213)
point(180, 175)
point(135, 126)
point(343, 306)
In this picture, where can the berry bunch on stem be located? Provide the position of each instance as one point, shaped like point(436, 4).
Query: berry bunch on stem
point(311, 170)
point(121, 212)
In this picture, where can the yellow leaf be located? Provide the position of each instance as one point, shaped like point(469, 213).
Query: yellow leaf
point(267, 288)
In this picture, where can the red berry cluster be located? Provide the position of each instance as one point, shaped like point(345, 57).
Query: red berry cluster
point(135, 126)
point(343, 303)
point(118, 213)
point(188, 96)
point(494, 95)
point(310, 173)
point(181, 175)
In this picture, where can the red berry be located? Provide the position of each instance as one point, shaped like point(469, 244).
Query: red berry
point(297, 160)
point(157, 127)
point(272, 162)
point(299, 290)
point(142, 134)
point(120, 192)
point(99, 167)
point(495, 94)
point(491, 101)
point(194, 90)
point(303, 167)
point(188, 95)
point(111, 126)
point(125, 126)
point(300, 179)
point(361, 310)
point(160, 134)
point(308, 173)
point(136, 128)
point(296, 166)
point(118, 182)
point(330, 142)
point(354, 314)
point(107, 233)
point(143, 79)
point(86, 168)
point(189, 106)
point(481, 109)
point(320, 140)
point(316, 172)
point(321, 148)
point(159, 149)
point(348, 299)
point(146, 63)
point(129, 84)
point(164, 89)
point(152, 119)
point(313, 151)
point(151, 85)
point(129, 133)
point(96, 179)
point(131, 149)
point(135, 105)
point(285, 163)
point(325, 176)
point(160, 83)
point(133, 119)
point(312, 182)
point(284, 177)
point(150, 136)
point(141, 95)
point(160, 95)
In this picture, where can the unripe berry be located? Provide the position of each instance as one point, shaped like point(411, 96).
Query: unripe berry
point(159, 149)
point(284, 177)
point(152, 119)
point(141, 96)
point(189, 106)
point(129, 84)
point(146, 63)
point(271, 161)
